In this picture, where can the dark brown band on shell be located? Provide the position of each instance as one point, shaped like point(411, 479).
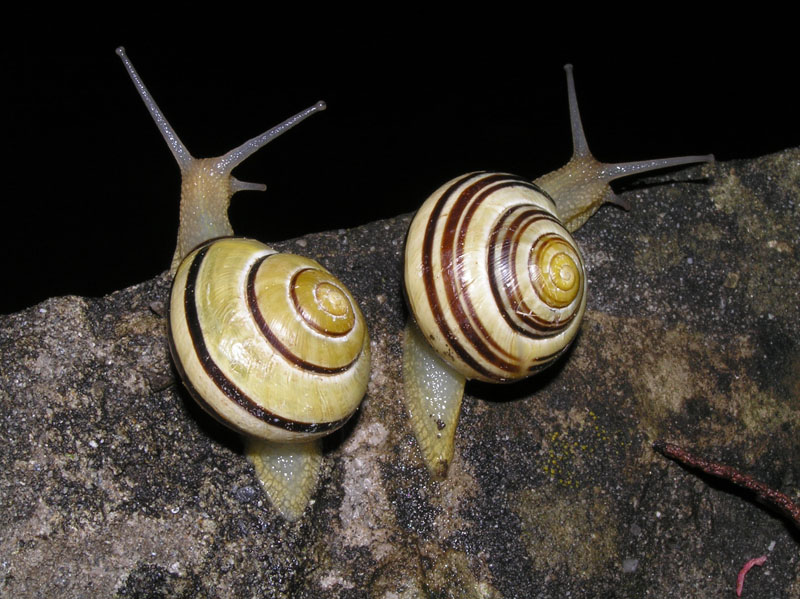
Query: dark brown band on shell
point(446, 259)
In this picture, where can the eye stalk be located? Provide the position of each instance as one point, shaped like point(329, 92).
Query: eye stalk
point(207, 184)
point(581, 186)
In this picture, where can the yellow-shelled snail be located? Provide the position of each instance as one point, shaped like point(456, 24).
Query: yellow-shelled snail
point(272, 345)
point(496, 283)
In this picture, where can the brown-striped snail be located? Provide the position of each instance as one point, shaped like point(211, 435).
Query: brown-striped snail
point(271, 345)
point(495, 282)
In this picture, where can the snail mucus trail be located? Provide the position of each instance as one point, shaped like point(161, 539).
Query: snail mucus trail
point(495, 283)
point(272, 345)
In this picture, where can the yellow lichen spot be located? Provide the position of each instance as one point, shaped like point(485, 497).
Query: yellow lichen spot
point(555, 529)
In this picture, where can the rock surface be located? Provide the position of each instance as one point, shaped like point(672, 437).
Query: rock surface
point(115, 484)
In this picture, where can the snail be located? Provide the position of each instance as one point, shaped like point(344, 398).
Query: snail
point(272, 345)
point(495, 283)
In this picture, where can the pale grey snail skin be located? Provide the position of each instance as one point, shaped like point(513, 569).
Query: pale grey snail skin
point(495, 283)
point(271, 345)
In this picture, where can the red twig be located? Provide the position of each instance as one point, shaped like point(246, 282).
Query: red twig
point(756, 561)
point(767, 495)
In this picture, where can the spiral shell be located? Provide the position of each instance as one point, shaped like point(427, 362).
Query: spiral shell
point(495, 282)
point(272, 345)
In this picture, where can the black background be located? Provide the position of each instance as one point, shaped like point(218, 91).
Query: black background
point(91, 191)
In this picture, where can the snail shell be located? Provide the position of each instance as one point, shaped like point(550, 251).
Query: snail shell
point(495, 282)
point(272, 345)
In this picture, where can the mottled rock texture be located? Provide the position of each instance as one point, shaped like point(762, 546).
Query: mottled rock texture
point(114, 483)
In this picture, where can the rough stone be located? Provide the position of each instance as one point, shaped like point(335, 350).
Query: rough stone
point(115, 484)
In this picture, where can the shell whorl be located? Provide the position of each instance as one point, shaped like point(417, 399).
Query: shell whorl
point(272, 345)
point(495, 282)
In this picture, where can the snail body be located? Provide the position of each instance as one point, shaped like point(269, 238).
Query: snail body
point(495, 283)
point(272, 345)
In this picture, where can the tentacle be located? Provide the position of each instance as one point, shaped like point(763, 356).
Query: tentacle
point(581, 186)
